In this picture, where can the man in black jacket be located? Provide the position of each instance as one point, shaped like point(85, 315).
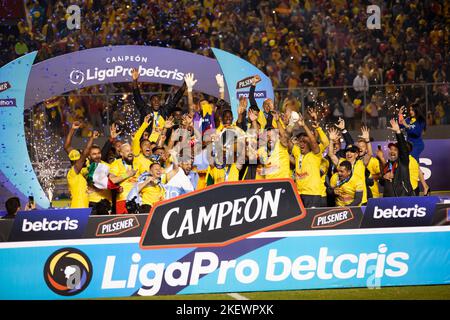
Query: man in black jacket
point(155, 108)
point(396, 178)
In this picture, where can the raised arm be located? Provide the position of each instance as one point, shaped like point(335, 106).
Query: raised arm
point(79, 164)
point(324, 141)
point(113, 134)
point(345, 134)
point(403, 153)
point(137, 97)
point(365, 135)
point(284, 136)
point(68, 142)
point(136, 141)
point(163, 136)
point(167, 109)
point(242, 121)
point(380, 156)
point(190, 82)
point(221, 85)
point(333, 135)
point(251, 94)
point(312, 138)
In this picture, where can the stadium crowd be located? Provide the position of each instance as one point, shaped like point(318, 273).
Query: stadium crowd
point(320, 55)
point(298, 44)
point(175, 152)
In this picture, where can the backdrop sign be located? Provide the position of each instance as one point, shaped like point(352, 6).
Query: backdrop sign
point(285, 260)
point(222, 214)
point(123, 225)
point(399, 212)
point(326, 218)
point(236, 72)
point(24, 84)
point(49, 224)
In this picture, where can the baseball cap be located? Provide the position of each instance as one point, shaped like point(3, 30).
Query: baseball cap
point(392, 144)
point(352, 148)
point(74, 155)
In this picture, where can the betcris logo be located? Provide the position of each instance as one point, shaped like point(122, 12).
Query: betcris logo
point(399, 212)
point(49, 224)
point(349, 266)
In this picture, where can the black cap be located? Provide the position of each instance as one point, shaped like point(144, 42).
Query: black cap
point(352, 148)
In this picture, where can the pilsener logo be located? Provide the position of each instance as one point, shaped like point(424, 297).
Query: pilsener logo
point(244, 83)
point(332, 218)
point(117, 226)
point(399, 212)
point(228, 212)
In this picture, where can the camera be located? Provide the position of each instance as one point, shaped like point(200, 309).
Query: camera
point(132, 206)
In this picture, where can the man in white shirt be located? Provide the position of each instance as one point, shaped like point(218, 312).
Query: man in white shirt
point(178, 184)
point(360, 83)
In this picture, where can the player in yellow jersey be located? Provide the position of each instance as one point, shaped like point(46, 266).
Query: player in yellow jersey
point(151, 191)
point(347, 187)
point(372, 164)
point(275, 154)
point(351, 155)
point(308, 158)
point(124, 171)
point(324, 142)
point(76, 180)
point(99, 199)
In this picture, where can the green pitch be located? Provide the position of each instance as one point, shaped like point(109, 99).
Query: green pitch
point(438, 292)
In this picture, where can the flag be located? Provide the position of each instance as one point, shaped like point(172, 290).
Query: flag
point(98, 176)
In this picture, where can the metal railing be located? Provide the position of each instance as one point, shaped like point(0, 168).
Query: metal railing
point(372, 106)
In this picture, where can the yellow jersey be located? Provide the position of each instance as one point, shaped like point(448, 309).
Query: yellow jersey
point(346, 190)
point(413, 172)
point(324, 165)
point(277, 165)
point(142, 163)
point(227, 173)
point(201, 178)
point(78, 189)
point(152, 194)
point(374, 168)
point(96, 195)
point(119, 168)
point(359, 172)
point(307, 169)
point(136, 141)
point(158, 125)
point(324, 141)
